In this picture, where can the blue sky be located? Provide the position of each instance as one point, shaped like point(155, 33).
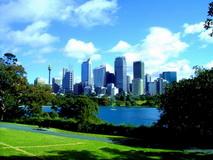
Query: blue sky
point(167, 35)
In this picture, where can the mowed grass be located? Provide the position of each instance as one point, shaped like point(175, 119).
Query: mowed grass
point(15, 144)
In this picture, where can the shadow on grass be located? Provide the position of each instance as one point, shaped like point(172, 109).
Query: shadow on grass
point(116, 155)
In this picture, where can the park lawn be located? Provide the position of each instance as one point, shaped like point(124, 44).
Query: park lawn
point(15, 144)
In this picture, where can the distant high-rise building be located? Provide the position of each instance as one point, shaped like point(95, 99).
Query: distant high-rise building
point(39, 81)
point(161, 85)
point(128, 83)
point(99, 75)
point(138, 70)
point(152, 88)
point(56, 85)
point(170, 76)
point(146, 82)
point(138, 78)
point(137, 86)
point(111, 90)
point(120, 73)
point(86, 75)
point(110, 78)
point(67, 81)
point(78, 89)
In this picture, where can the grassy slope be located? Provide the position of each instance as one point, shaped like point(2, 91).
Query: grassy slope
point(78, 149)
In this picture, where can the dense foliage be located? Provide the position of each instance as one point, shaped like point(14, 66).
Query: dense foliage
point(13, 85)
point(188, 104)
point(209, 21)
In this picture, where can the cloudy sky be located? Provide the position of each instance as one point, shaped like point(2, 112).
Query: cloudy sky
point(167, 35)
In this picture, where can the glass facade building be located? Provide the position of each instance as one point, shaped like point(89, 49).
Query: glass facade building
point(86, 77)
point(120, 73)
point(67, 81)
point(170, 76)
point(99, 75)
point(138, 70)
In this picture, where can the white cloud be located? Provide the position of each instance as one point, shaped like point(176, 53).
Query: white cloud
point(95, 12)
point(121, 46)
point(209, 65)
point(33, 35)
point(156, 50)
point(109, 68)
point(89, 13)
point(193, 28)
point(198, 28)
point(81, 50)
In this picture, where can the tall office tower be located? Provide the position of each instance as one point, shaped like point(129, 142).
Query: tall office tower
point(120, 73)
point(137, 86)
point(138, 70)
point(128, 83)
point(99, 75)
point(170, 76)
point(86, 75)
point(110, 78)
point(146, 83)
point(161, 85)
point(67, 81)
point(56, 85)
point(138, 78)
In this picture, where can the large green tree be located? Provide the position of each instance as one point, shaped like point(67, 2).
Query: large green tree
point(81, 108)
point(35, 97)
point(13, 84)
point(188, 104)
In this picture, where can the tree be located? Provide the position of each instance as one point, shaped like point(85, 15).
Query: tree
point(188, 104)
point(209, 21)
point(81, 108)
point(35, 97)
point(12, 86)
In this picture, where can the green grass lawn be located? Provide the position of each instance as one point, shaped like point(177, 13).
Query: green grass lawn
point(15, 144)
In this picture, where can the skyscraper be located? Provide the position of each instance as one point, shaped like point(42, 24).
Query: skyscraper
point(147, 79)
point(138, 70)
point(120, 73)
point(138, 78)
point(128, 83)
point(110, 78)
point(67, 81)
point(86, 77)
point(99, 75)
point(170, 76)
point(137, 86)
point(56, 85)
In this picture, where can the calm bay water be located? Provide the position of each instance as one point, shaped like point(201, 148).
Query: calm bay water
point(134, 116)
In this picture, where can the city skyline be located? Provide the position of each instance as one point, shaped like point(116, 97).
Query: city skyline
point(102, 30)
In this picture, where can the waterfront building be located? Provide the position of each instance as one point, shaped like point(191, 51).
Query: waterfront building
point(138, 70)
point(128, 83)
point(86, 75)
point(99, 75)
point(137, 86)
point(111, 90)
point(120, 73)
